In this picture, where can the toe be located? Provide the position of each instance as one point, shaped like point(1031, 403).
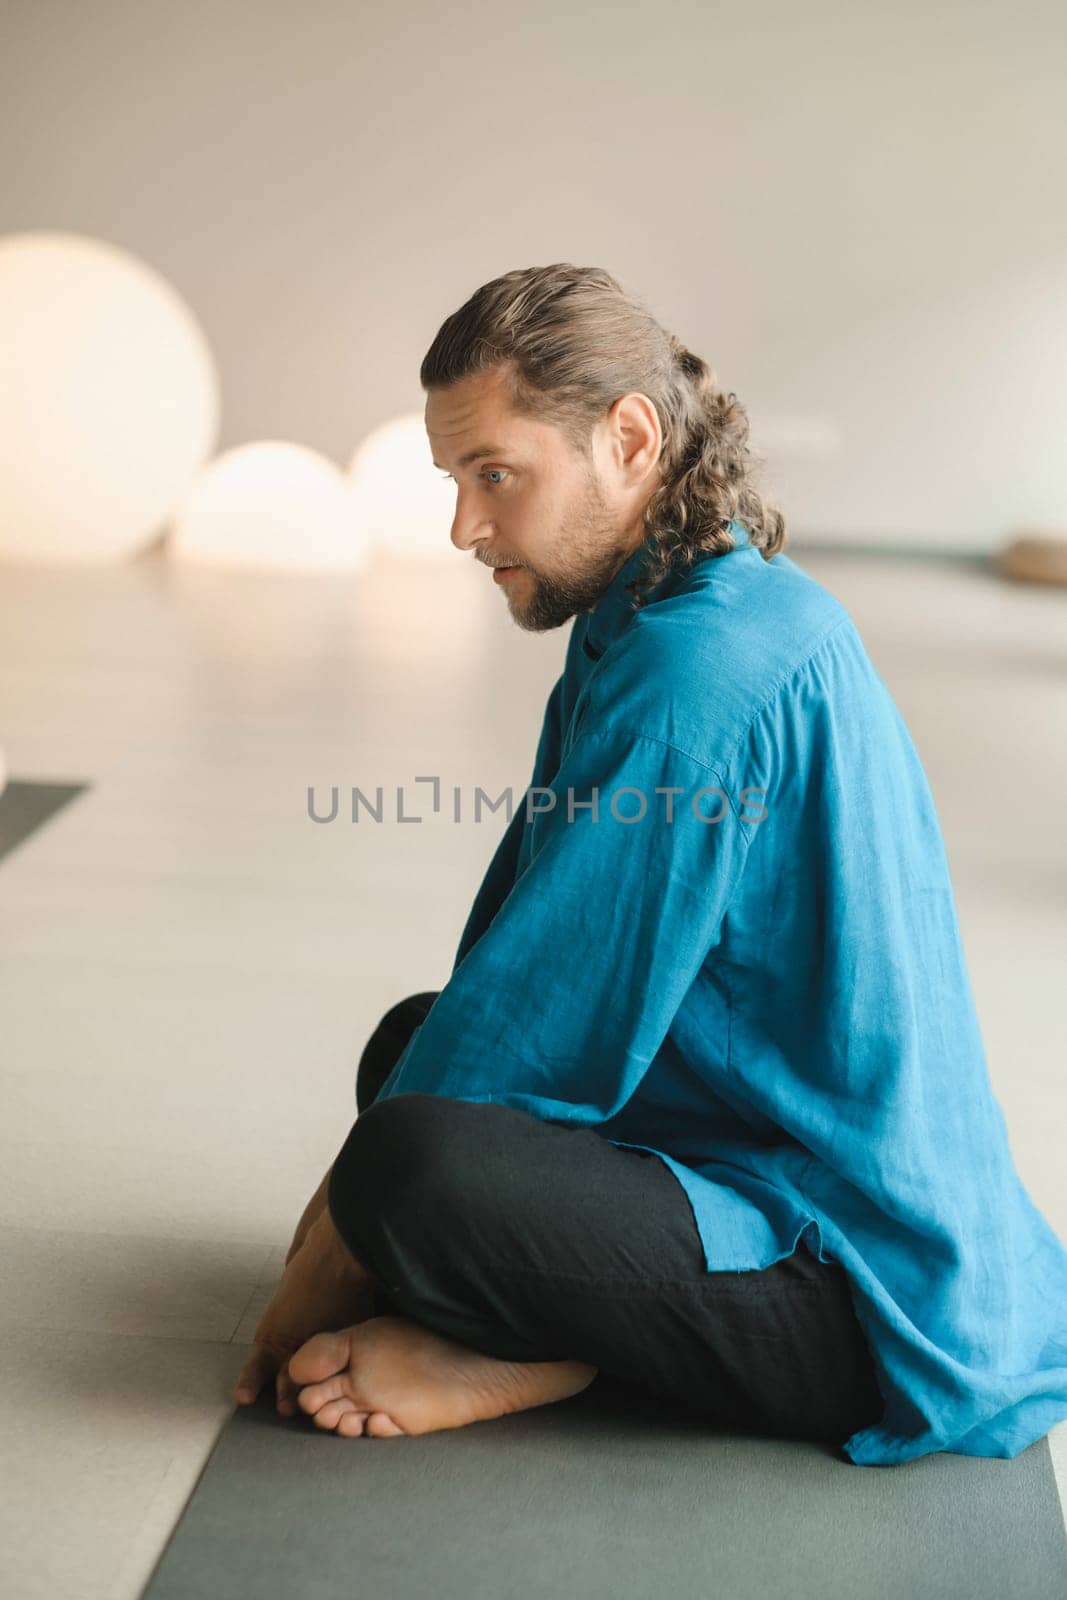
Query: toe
point(352, 1424)
point(285, 1393)
point(320, 1357)
point(317, 1395)
point(329, 1415)
point(256, 1371)
point(380, 1426)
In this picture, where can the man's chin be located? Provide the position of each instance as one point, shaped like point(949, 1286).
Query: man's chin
point(537, 622)
point(542, 609)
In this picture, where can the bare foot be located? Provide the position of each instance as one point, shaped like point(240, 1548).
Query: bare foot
point(322, 1287)
point(390, 1375)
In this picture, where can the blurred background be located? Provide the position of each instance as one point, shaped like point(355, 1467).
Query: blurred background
point(228, 234)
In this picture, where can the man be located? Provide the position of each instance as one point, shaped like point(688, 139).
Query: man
point(703, 1106)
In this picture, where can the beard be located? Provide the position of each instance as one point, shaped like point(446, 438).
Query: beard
point(594, 556)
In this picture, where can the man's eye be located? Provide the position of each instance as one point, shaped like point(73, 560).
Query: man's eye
point(448, 478)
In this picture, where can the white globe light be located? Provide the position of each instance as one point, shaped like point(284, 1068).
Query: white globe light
point(108, 403)
point(405, 504)
point(271, 505)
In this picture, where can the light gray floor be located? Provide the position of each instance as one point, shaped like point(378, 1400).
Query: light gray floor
point(189, 966)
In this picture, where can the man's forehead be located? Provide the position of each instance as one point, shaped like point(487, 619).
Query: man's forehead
point(480, 452)
point(478, 438)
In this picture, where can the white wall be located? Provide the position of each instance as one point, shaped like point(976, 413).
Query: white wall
point(855, 212)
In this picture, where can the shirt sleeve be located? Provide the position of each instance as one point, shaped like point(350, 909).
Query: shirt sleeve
point(500, 874)
point(560, 1006)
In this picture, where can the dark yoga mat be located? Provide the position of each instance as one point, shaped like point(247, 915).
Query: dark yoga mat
point(25, 807)
point(605, 1496)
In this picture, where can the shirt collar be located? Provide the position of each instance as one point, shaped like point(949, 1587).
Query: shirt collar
point(614, 611)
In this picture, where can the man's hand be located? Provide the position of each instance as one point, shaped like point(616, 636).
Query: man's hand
point(322, 1288)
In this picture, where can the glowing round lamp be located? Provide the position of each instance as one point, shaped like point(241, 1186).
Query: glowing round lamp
point(108, 405)
point(271, 505)
point(405, 504)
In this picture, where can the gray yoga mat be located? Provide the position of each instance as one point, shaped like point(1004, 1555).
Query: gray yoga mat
point(26, 806)
point(605, 1496)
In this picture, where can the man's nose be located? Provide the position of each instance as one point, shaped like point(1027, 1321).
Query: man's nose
point(468, 529)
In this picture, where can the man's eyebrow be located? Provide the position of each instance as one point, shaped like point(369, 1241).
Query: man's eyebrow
point(476, 455)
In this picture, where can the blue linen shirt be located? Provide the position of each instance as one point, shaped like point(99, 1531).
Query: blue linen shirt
point(746, 959)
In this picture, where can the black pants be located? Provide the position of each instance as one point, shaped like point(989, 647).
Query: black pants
point(530, 1241)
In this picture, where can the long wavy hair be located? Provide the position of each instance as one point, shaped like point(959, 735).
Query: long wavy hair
point(571, 340)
